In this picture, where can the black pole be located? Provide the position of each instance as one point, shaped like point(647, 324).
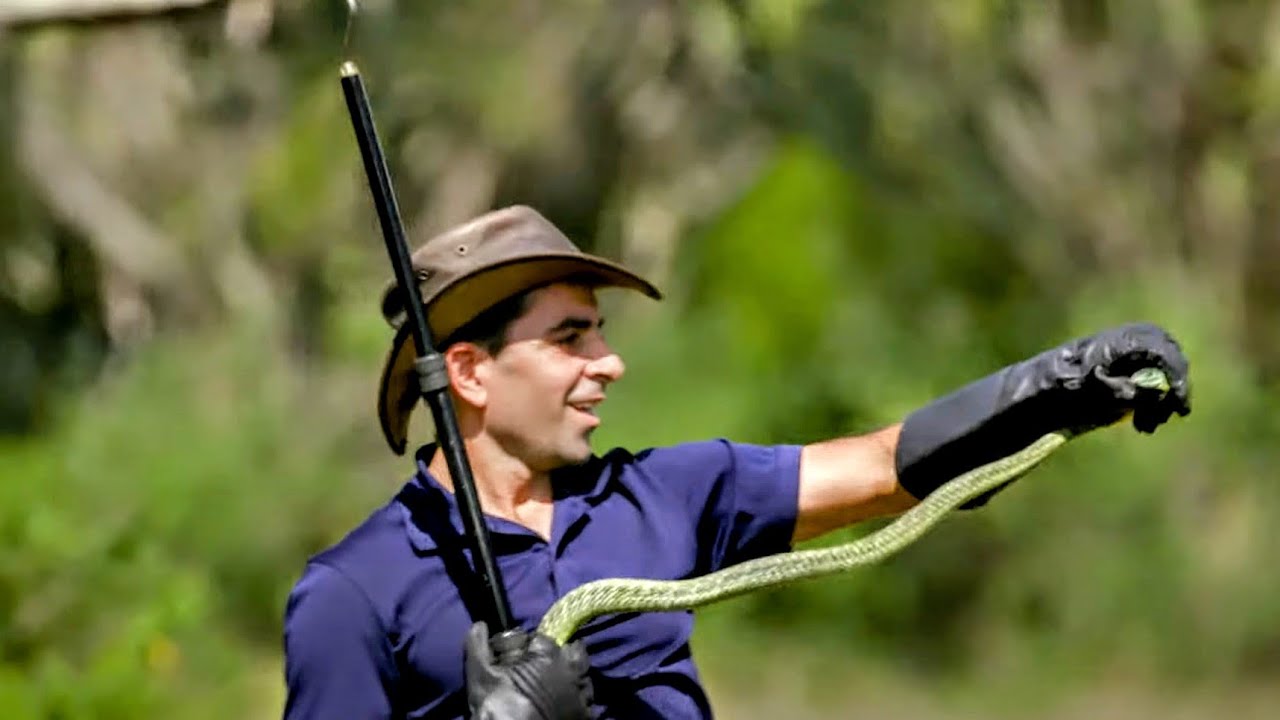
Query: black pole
point(433, 379)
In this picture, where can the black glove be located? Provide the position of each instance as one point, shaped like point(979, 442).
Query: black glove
point(1076, 387)
point(532, 678)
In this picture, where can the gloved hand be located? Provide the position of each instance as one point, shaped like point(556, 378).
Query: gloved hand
point(1075, 387)
point(531, 679)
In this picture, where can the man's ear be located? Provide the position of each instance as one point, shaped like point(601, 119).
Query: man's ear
point(464, 361)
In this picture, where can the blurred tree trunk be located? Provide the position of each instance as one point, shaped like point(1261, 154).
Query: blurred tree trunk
point(136, 150)
point(32, 11)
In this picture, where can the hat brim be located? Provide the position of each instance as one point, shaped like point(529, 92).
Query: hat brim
point(460, 302)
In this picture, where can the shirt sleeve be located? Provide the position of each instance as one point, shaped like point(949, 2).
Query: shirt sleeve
point(338, 661)
point(743, 499)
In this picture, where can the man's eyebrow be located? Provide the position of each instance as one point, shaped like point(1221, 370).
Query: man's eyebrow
point(575, 322)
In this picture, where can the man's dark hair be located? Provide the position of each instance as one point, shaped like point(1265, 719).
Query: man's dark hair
point(489, 328)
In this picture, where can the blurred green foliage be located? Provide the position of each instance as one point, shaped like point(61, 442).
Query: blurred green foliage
point(853, 208)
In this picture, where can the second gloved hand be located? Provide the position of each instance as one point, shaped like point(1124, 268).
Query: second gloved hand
point(534, 679)
point(1076, 387)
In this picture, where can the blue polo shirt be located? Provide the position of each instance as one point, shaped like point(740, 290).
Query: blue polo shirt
point(375, 626)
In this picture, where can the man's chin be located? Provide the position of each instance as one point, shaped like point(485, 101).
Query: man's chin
point(578, 458)
point(579, 454)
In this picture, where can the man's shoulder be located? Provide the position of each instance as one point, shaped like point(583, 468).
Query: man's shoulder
point(697, 462)
point(683, 454)
point(663, 465)
point(370, 557)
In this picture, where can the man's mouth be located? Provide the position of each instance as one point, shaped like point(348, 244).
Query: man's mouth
point(588, 406)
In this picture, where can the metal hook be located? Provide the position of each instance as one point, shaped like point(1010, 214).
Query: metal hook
point(353, 9)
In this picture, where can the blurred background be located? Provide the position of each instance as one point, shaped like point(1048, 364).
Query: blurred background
point(853, 207)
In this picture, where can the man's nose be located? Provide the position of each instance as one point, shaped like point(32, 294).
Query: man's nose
point(606, 365)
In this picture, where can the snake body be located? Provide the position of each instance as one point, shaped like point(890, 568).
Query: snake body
point(616, 595)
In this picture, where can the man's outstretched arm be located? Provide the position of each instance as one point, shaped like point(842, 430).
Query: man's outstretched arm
point(848, 480)
point(1076, 387)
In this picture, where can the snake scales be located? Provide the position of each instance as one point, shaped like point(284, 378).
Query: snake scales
point(615, 595)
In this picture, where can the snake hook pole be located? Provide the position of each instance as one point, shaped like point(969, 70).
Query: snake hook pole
point(432, 376)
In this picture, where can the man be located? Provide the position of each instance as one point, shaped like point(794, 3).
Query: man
point(382, 624)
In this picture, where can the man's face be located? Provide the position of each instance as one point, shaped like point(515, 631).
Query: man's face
point(543, 387)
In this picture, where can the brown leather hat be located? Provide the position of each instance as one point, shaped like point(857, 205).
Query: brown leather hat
point(467, 270)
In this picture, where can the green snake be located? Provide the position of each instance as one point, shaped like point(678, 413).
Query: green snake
point(615, 595)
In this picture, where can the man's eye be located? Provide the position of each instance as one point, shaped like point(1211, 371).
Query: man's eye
point(570, 339)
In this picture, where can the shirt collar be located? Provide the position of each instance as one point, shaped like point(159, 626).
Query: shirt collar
point(432, 515)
